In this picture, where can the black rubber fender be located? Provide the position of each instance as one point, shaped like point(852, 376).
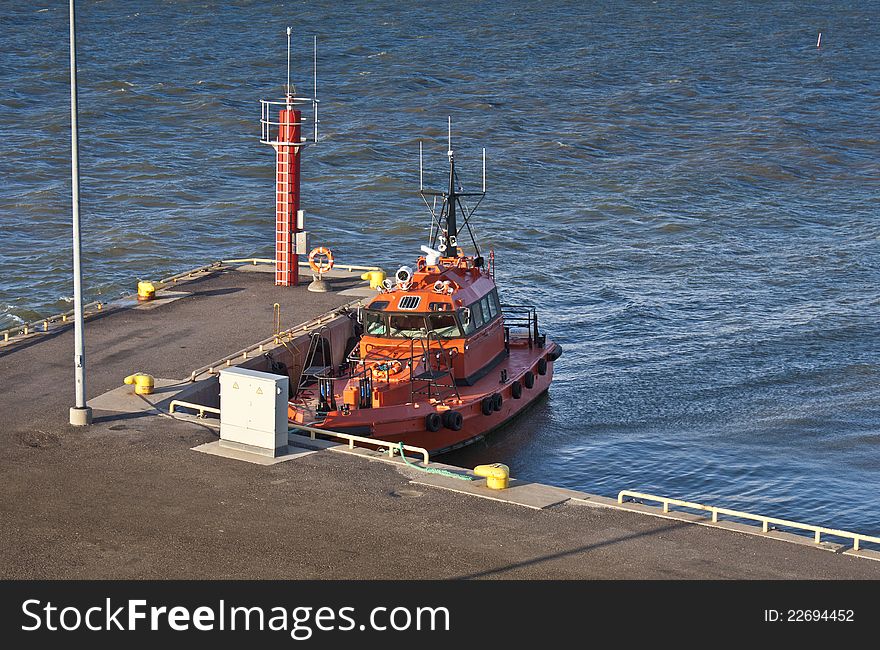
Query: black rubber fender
point(542, 366)
point(529, 379)
point(487, 405)
point(497, 401)
point(516, 390)
point(453, 420)
point(433, 422)
point(557, 352)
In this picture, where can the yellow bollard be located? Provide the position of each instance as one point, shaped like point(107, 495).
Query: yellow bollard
point(497, 475)
point(146, 291)
point(375, 278)
point(143, 383)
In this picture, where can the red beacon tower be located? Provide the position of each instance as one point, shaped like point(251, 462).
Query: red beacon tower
point(288, 134)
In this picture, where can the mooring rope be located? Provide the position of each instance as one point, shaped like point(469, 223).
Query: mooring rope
point(433, 470)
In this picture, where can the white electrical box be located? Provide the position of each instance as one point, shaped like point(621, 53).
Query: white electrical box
point(302, 243)
point(253, 410)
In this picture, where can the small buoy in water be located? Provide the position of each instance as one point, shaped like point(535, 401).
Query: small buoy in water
point(819, 41)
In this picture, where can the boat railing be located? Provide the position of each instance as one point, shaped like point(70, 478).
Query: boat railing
point(430, 380)
point(518, 318)
point(358, 367)
point(365, 376)
point(374, 366)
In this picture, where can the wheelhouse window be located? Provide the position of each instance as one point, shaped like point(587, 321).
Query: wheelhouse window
point(445, 325)
point(484, 305)
point(477, 315)
point(406, 325)
point(480, 313)
point(398, 325)
point(493, 304)
point(375, 324)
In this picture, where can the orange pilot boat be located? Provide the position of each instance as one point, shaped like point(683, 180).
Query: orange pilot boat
point(438, 361)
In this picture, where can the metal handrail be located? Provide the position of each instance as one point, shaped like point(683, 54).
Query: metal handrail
point(252, 260)
point(34, 326)
point(315, 338)
point(524, 317)
point(262, 346)
point(171, 279)
point(314, 432)
point(375, 356)
point(202, 409)
point(426, 351)
point(392, 446)
point(270, 127)
point(381, 354)
point(817, 531)
point(265, 260)
point(42, 324)
point(350, 267)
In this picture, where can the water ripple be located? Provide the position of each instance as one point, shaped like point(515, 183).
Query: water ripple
point(688, 190)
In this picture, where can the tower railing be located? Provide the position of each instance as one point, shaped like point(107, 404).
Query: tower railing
point(270, 123)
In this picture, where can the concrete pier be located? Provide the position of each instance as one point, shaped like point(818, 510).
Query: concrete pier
point(128, 497)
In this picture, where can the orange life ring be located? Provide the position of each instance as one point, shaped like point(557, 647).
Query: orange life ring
point(321, 266)
point(392, 368)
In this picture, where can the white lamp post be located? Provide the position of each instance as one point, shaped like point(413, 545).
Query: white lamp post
point(80, 414)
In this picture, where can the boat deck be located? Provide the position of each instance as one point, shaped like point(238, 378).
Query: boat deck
point(128, 498)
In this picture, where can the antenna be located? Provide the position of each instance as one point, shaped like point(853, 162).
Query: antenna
point(315, 97)
point(288, 61)
point(455, 214)
point(449, 153)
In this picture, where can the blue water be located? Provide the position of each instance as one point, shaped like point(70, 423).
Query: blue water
point(688, 191)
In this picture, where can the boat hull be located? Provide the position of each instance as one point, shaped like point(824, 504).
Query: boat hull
point(407, 422)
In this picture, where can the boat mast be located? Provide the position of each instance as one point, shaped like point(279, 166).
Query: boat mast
point(451, 200)
point(444, 227)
